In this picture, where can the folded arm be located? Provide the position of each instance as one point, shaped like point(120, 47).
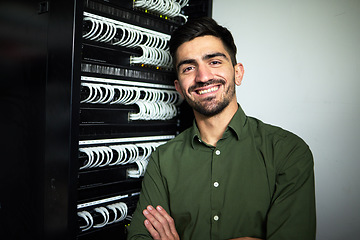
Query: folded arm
point(161, 225)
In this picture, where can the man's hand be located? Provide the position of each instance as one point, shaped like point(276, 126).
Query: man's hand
point(160, 224)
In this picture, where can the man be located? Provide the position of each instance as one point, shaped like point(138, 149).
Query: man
point(229, 176)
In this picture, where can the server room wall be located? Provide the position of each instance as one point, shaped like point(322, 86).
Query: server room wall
point(87, 96)
point(289, 49)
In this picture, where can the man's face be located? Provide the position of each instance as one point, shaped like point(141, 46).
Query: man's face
point(206, 76)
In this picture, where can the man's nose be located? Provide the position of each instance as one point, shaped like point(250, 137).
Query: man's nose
point(203, 73)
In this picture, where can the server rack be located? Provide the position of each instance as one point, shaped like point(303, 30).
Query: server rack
point(83, 107)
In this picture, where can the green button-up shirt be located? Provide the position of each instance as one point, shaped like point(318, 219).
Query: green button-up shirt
point(257, 182)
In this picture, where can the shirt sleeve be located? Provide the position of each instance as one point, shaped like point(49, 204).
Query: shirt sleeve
point(153, 192)
point(292, 213)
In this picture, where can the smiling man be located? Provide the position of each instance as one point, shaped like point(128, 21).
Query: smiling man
point(229, 176)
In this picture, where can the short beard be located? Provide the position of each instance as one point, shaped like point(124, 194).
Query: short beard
point(211, 109)
point(209, 112)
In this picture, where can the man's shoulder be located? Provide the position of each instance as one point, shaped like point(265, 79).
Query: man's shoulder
point(276, 134)
point(285, 147)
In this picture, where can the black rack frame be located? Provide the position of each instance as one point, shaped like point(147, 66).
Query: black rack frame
point(42, 64)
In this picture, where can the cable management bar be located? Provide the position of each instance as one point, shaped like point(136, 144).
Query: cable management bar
point(124, 140)
point(129, 83)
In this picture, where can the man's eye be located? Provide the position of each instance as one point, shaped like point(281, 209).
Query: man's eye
point(187, 69)
point(215, 62)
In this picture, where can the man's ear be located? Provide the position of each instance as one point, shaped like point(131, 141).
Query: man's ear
point(178, 88)
point(239, 73)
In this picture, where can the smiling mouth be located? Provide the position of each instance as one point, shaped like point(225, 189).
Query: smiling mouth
point(209, 90)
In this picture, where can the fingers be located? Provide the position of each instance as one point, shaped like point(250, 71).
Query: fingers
point(159, 223)
point(154, 234)
point(169, 219)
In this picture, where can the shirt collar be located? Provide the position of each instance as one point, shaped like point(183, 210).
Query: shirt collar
point(195, 134)
point(238, 122)
point(236, 126)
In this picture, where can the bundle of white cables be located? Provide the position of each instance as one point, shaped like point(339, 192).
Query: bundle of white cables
point(171, 8)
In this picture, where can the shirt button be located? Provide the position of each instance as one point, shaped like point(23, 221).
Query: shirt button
point(216, 217)
point(217, 152)
point(216, 184)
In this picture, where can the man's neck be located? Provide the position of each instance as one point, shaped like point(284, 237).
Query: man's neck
point(212, 128)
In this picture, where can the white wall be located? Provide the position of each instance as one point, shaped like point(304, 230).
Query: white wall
point(302, 72)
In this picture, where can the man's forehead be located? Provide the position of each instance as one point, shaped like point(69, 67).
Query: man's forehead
point(201, 47)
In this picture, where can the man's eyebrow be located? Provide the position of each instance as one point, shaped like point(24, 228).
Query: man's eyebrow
point(212, 55)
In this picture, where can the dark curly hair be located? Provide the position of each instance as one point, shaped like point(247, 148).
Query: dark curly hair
point(202, 27)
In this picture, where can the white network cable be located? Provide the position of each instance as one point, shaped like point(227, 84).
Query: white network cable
point(170, 8)
point(120, 210)
point(154, 45)
point(119, 154)
point(156, 104)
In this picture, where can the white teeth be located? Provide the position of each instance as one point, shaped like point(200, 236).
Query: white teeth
point(213, 89)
